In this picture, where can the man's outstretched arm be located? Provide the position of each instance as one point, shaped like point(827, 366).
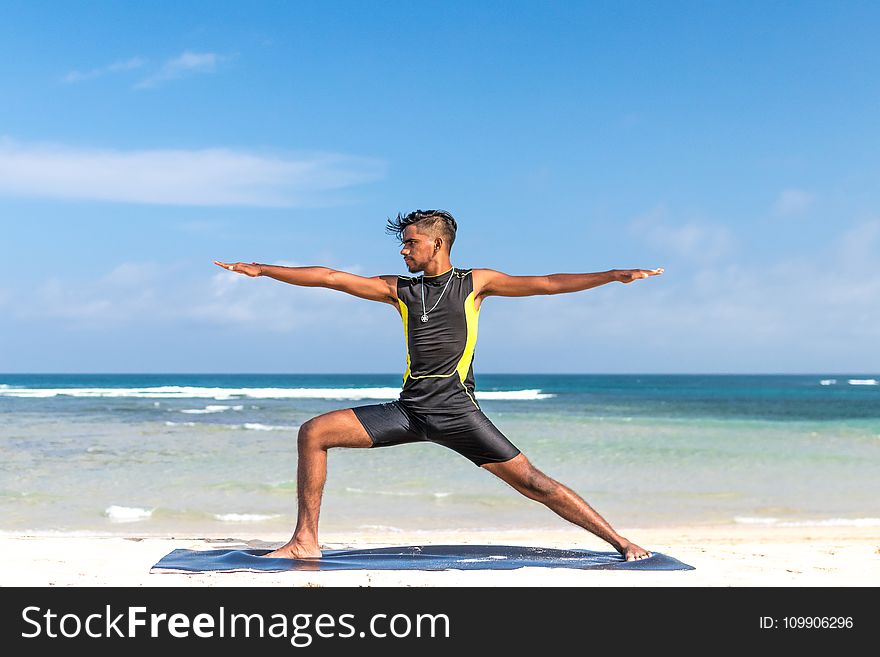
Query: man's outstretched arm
point(377, 288)
point(496, 283)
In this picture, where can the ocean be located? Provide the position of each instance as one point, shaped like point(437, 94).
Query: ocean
point(155, 454)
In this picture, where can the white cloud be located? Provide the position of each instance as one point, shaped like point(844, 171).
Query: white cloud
point(803, 312)
point(207, 177)
point(186, 64)
point(697, 240)
point(817, 313)
point(157, 294)
point(793, 201)
point(860, 246)
point(119, 66)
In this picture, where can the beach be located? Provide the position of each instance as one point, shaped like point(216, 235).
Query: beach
point(723, 556)
point(753, 480)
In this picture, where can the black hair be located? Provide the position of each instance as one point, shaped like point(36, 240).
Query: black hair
point(426, 221)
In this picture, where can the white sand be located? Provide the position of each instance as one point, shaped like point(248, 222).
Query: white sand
point(723, 556)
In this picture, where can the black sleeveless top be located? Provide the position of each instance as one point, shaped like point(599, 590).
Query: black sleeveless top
point(439, 374)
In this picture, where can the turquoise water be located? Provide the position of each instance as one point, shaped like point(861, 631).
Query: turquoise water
point(188, 453)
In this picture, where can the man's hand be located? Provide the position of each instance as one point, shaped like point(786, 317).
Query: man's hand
point(252, 269)
point(629, 275)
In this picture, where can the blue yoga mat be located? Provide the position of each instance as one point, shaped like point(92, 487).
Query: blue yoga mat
point(421, 557)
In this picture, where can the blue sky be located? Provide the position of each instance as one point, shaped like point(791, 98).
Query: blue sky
point(735, 144)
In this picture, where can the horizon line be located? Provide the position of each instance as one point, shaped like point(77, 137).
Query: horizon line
point(476, 374)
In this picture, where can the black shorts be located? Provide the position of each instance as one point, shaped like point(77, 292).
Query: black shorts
point(470, 434)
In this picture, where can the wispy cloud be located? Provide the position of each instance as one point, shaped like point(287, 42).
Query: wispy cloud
point(697, 240)
point(785, 315)
point(207, 177)
point(859, 246)
point(184, 65)
point(817, 312)
point(119, 66)
point(793, 201)
point(160, 294)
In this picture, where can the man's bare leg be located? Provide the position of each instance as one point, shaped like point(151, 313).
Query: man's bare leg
point(334, 429)
point(534, 484)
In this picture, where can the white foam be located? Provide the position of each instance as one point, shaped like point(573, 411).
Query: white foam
point(227, 394)
point(218, 408)
point(244, 517)
point(744, 520)
point(514, 394)
point(220, 394)
point(253, 426)
point(395, 493)
point(53, 533)
point(863, 382)
point(828, 522)
point(828, 382)
point(127, 513)
point(402, 493)
point(381, 528)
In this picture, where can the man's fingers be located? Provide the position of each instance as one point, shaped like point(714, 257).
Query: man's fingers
point(631, 275)
point(224, 265)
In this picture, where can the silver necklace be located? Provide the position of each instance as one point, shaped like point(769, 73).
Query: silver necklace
point(425, 312)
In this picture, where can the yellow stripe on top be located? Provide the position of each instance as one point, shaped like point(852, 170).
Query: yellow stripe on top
point(471, 316)
point(404, 313)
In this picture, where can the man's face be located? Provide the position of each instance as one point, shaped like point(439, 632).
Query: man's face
point(417, 250)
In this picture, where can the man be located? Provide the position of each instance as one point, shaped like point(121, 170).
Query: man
point(437, 403)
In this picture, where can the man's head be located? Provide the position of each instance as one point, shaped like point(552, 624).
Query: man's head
point(425, 235)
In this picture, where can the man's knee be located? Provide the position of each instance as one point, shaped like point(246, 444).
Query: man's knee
point(333, 429)
point(310, 434)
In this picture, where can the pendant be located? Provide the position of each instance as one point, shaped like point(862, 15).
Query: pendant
point(424, 318)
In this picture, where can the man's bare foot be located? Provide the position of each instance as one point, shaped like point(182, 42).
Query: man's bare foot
point(632, 552)
point(296, 551)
